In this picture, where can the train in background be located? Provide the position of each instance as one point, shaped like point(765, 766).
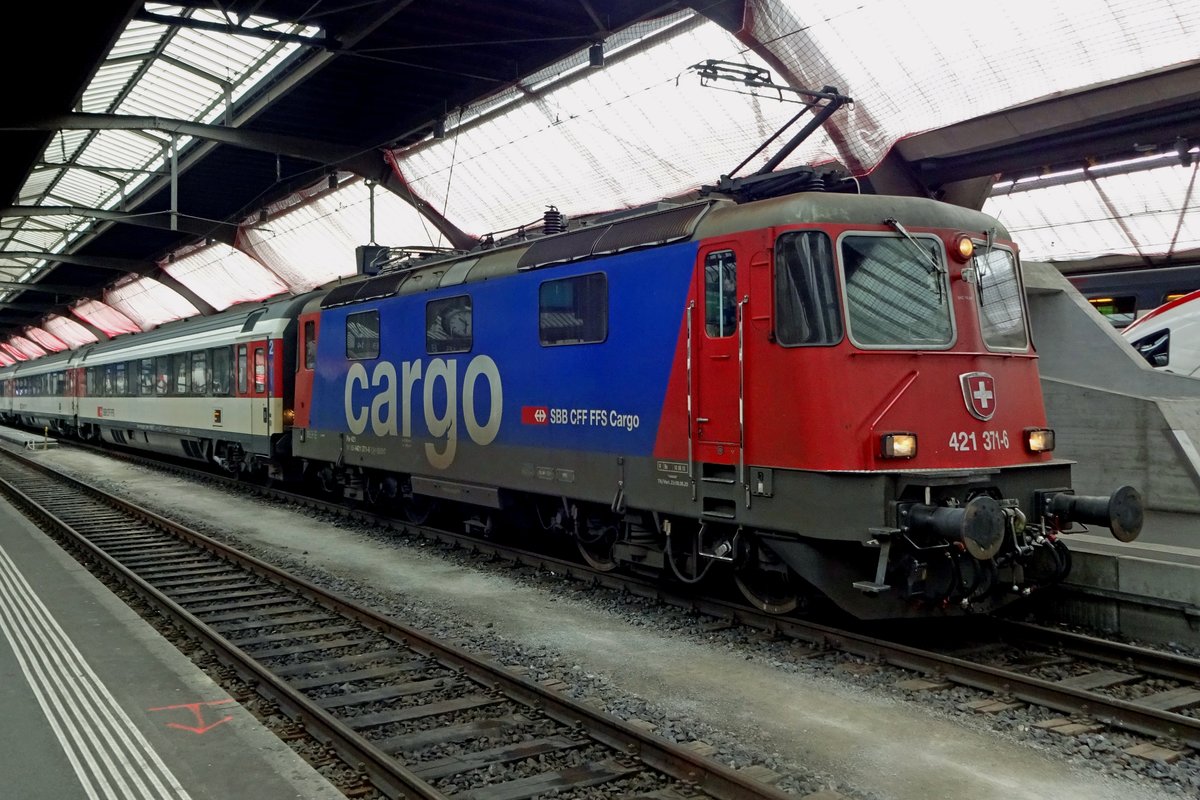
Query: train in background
point(813, 395)
point(1123, 296)
point(1168, 337)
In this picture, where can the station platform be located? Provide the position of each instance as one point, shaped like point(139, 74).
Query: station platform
point(29, 441)
point(1147, 589)
point(98, 705)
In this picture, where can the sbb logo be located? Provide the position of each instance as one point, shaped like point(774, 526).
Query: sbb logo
point(535, 415)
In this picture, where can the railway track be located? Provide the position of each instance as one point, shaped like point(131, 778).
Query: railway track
point(1095, 682)
point(419, 717)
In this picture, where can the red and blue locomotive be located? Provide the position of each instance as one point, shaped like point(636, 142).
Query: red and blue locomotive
point(816, 396)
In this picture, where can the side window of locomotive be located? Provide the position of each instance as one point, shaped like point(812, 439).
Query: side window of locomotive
point(806, 296)
point(310, 344)
point(200, 372)
point(1001, 311)
point(162, 374)
point(720, 293)
point(362, 335)
point(222, 371)
point(896, 292)
point(448, 325)
point(573, 310)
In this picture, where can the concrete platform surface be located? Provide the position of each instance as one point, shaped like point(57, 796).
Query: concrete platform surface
point(98, 705)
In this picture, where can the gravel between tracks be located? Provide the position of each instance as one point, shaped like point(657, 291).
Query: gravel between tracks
point(825, 722)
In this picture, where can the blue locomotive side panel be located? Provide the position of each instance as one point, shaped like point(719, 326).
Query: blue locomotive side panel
point(601, 389)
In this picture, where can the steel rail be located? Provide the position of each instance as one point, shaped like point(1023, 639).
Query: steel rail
point(658, 753)
point(1111, 711)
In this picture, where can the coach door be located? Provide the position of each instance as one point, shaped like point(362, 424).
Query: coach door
point(715, 334)
point(260, 389)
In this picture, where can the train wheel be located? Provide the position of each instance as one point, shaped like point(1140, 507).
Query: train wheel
point(418, 508)
point(766, 582)
point(596, 545)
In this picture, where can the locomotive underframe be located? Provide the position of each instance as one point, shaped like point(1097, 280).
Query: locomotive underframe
point(827, 528)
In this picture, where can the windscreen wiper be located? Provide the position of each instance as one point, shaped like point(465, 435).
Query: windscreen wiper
point(933, 267)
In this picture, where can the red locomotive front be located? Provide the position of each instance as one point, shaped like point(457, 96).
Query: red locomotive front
point(870, 419)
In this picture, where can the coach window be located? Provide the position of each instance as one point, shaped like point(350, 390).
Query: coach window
point(222, 371)
point(720, 293)
point(1001, 307)
point(242, 369)
point(146, 377)
point(180, 365)
point(896, 292)
point(806, 300)
point(260, 370)
point(119, 385)
point(200, 372)
point(573, 310)
point(310, 344)
point(362, 335)
point(448, 325)
point(162, 374)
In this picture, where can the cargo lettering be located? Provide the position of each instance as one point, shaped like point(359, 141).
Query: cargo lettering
point(390, 410)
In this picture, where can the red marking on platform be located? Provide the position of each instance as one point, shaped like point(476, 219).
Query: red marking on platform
point(197, 709)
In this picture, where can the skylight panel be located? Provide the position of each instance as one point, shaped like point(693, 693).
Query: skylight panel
point(29, 348)
point(223, 276)
point(641, 129)
point(46, 340)
point(68, 330)
point(148, 302)
point(108, 84)
point(107, 319)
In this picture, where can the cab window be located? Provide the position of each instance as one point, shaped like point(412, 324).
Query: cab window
point(1001, 306)
point(806, 301)
point(720, 293)
point(310, 344)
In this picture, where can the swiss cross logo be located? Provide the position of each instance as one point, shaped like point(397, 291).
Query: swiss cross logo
point(979, 393)
point(535, 415)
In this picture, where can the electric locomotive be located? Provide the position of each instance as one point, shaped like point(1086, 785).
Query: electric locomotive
point(819, 396)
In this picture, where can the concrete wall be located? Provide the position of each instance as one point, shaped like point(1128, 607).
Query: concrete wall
point(1121, 420)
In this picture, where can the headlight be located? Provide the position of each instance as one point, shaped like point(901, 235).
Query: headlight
point(1039, 440)
point(898, 445)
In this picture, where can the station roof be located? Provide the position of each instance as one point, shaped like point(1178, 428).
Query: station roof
point(168, 160)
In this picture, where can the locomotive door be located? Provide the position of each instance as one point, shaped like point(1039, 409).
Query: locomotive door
point(717, 368)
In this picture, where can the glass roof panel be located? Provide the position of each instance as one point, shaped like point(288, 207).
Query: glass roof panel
point(157, 70)
point(313, 241)
point(934, 68)
point(13, 352)
point(223, 276)
point(148, 302)
point(68, 330)
point(29, 348)
point(6, 360)
point(603, 139)
point(110, 80)
point(1148, 212)
point(107, 319)
point(46, 339)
